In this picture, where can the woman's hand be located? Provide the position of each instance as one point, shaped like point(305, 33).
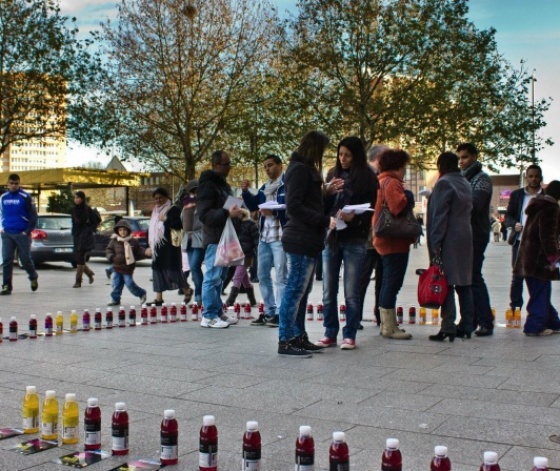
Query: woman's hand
point(336, 185)
point(332, 223)
point(346, 217)
point(148, 252)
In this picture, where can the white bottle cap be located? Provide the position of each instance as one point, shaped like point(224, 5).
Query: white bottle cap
point(440, 450)
point(31, 390)
point(132, 307)
point(305, 430)
point(50, 394)
point(33, 316)
point(144, 306)
point(120, 406)
point(252, 425)
point(92, 402)
point(540, 462)
point(490, 457)
point(73, 311)
point(338, 437)
point(70, 397)
point(169, 414)
point(13, 318)
point(208, 420)
point(392, 443)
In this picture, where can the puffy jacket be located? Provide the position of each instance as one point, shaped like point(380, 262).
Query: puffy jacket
point(115, 250)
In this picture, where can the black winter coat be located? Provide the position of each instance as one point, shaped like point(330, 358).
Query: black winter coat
point(83, 227)
point(249, 237)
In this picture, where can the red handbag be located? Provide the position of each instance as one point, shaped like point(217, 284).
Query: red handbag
point(432, 287)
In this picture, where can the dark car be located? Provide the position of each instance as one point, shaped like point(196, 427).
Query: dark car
point(139, 225)
point(52, 240)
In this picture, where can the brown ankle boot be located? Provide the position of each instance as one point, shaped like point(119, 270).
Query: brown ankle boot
point(89, 273)
point(79, 273)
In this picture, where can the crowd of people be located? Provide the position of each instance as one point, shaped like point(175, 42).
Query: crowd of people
point(302, 218)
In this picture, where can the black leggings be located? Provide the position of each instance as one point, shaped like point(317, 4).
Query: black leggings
point(80, 257)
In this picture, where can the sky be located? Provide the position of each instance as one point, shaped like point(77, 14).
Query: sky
point(526, 30)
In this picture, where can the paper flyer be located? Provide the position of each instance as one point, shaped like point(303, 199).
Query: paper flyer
point(36, 445)
point(138, 465)
point(82, 459)
point(9, 432)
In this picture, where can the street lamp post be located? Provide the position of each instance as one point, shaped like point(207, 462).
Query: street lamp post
point(533, 80)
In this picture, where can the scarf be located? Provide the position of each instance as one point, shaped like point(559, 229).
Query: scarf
point(128, 254)
point(471, 171)
point(157, 228)
point(271, 188)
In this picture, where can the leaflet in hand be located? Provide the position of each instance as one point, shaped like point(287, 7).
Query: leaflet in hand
point(272, 205)
point(231, 202)
point(357, 208)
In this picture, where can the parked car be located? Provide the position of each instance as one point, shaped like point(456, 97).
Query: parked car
point(139, 225)
point(52, 240)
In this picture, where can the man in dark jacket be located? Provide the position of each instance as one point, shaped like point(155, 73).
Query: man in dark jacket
point(515, 221)
point(18, 217)
point(213, 191)
point(481, 186)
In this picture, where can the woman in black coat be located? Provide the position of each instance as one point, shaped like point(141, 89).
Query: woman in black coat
point(84, 225)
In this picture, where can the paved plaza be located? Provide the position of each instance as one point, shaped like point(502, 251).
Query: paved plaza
point(500, 393)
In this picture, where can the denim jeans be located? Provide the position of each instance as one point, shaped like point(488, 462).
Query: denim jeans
point(196, 256)
point(449, 311)
point(212, 284)
point(516, 288)
point(271, 254)
point(542, 314)
point(394, 269)
point(21, 242)
point(482, 310)
point(122, 279)
point(352, 255)
point(294, 301)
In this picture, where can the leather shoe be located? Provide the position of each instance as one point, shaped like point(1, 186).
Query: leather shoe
point(484, 332)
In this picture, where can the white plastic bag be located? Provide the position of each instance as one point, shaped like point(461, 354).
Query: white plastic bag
point(229, 252)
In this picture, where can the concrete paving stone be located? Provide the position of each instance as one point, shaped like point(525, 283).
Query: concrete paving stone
point(529, 380)
point(173, 373)
point(402, 400)
point(68, 373)
point(491, 349)
point(522, 457)
point(463, 369)
point(457, 378)
point(499, 396)
point(410, 360)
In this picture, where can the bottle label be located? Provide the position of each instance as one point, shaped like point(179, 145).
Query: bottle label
point(119, 442)
point(30, 419)
point(50, 427)
point(304, 467)
point(69, 433)
point(251, 465)
point(208, 455)
point(169, 452)
point(92, 434)
point(340, 467)
point(305, 462)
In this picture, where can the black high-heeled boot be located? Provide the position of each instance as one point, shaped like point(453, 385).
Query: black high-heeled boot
point(441, 336)
point(461, 334)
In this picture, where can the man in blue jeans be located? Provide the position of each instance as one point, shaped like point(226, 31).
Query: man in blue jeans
point(18, 217)
point(213, 191)
point(270, 253)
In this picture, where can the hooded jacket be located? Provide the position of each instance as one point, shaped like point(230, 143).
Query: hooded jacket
point(115, 250)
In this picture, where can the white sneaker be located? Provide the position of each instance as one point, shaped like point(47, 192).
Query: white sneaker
point(230, 319)
point(215, 323)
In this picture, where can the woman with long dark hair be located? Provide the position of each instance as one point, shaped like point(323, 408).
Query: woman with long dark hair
point(359, 186)
point(84, 224)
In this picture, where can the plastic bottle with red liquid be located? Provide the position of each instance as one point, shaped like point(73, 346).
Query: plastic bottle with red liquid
point(86, 321)
point(339, 456)
point(540, 463)
point(412, 315)
point(208, 445)
point(310, 313)
point(400, 315)
point(132, 316)
point(33, 326)
point(194, 312)
point(342, 312)
point(92, 425)
point(173, 313)
point(251, 447)
point(440, 461)
point(224, 307)
point(119, 430)
point(305, 450)
point(144, 315)
point(490, 462)
point(169, 438)
point(261, 309)
point(391, 460)
point(109, 318)
point(48, 325)
point(247, 311)
point(237, 310)
point(97, 319)
point(164, 314)
point(13, 330)
point(320, 316)
point(121, 316)
point(183, 312)
point(1, 330)
point(153, 314)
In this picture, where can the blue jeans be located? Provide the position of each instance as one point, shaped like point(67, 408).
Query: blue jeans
point(516, 288)
point(196, 256)
point(121, 279)
point(21, 242)
point(212, 284)
point(542, 314)
point(394, 269)
point(271, 254)
point(352, 255)
point(482, 310)
point(294, 301)
point(449, 311)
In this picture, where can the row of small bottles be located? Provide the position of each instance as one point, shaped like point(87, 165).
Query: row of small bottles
point(513, 318)
point(339, 455)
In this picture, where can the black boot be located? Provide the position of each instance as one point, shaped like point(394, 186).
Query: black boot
point(377, 316)
point(232, 296)
point(251, 296)
point(287, 348)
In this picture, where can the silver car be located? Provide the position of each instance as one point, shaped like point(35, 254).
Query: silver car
point(52, 240)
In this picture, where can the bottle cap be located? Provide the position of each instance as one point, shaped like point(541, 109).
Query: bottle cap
point(120, 406)
point(169, 414)
point(33, 316)
point(31, 390)
point(208, 420)
point(540, 462)
point(305, 430)
point(13, 318)
point(392, 443)
point(70, 397)
point(92, 402)
point(73, 311)
point(252, 425)
point(440, 450)
point(132, 307)
point(50, 394)
point(490, 457)
point(144, 306)
point(338, 437)
point(48, 314)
